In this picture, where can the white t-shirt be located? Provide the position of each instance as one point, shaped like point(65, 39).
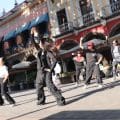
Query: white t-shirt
point(116, 53)
point(57, 68)
point(3, 71)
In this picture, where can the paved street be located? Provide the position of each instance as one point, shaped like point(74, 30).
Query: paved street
point(92, 103)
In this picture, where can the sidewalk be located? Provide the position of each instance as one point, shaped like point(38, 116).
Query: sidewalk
point(82, 104)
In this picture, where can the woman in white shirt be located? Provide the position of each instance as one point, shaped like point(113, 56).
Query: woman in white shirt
point(3, 83)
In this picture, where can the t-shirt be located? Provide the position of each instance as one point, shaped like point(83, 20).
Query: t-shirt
point(116, 53)
point(57, 68)
point(92, 56)
point(3, 71)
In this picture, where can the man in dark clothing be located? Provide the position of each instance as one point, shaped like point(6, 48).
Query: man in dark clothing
point(93, 58)
point(46, 62)
point(115, 50)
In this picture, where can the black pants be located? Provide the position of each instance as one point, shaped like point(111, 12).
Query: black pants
point(90, 68)
point(4, 91)
point(51, 87)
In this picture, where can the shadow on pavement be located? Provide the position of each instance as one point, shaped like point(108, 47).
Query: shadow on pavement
point(84, 95)
point(27, 94)
point(22, 115)
point(80, 115)
point(25, 101)
point(86, 115)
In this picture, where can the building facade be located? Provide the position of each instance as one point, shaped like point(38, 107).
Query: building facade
point(91, 19)
point(15, 43)
point(15, 27)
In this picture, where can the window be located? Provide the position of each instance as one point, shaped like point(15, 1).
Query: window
point(85, 6)
point(62, 21)
point(114, 1)
point(62, 18)
point(115, 6)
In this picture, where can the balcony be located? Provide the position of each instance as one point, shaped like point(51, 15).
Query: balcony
point(85, 20)
point(66, 27)
point(63, 29)
point(88, 18)
point(111, 10)
point(115, 7)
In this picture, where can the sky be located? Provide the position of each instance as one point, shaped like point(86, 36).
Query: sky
point(8, 4)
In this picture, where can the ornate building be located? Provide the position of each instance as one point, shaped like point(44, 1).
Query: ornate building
point(15, 42)
point(90, 19)
point(16, 24)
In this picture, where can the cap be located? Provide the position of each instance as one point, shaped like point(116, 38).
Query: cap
point(90, 43)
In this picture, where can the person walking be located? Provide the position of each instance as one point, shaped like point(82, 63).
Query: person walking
point(79, 65)
point(3, 83)
point(46, 62)
point(115, 50)
point(93, 59)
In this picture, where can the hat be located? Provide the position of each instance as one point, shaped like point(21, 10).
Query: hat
point(90, 43)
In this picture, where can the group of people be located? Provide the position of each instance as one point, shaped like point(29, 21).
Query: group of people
point(90, 61)
point(46, 62)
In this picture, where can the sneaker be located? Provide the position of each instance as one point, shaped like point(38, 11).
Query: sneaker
point(61, 102)
point(1, 104)
point(13, 105)
point(76, 84)
point(85, 86)
point(100, 86)
point(114, 79)
point(81, 77)
point(38, 103)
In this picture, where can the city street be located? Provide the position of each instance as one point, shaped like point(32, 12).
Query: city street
point(66, 40)
point(92, 103)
